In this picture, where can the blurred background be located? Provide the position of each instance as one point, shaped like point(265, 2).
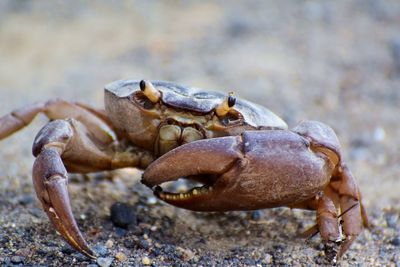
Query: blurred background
point(333, 61)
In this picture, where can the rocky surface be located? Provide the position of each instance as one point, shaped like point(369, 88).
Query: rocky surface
point(337, 62)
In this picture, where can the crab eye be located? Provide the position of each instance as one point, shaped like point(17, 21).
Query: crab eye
point(225, 107)
point(149, 91)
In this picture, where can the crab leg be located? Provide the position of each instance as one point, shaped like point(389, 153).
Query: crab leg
point(349, 198)
point(50, 181)
point(58, 109)
point(67, 145)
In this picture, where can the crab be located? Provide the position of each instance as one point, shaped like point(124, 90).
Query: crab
point(244, 156)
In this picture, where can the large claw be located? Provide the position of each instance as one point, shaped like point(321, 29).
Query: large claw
point(211, 156)
point(259, 169)
point(50, 181)
point(203, 161)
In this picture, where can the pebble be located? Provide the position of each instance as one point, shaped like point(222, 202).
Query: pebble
point(152, 200)
point(109, 243)
point(120, 232)
point(129, 244)
point(268, 258)
point(146, 261)
point(100, 250)
point(396, 241)
point(104, 262)
point(121, 256)
point(186, 254)
point(256, 215)
point(17, 259)
point(391, 220)
point(26, 199)
point(122, 215)
point(144, 244)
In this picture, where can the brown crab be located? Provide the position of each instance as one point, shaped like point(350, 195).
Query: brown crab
point(248, 161)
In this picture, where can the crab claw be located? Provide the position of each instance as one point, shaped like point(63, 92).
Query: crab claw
point(203, 161)
point(259, 169)
point(50, 181)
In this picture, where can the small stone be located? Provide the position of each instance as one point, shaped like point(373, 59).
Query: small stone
point(104, 262)
point(26, 199)
point(391, 220)
point(120, 232)
point(122, 215)
point(109, 243)
point(152, 200)
point(129, 244)
point(121, 256)
point(186, 254)
point(256, 215)
point(146, 261)
point(268, 258)
point(17, 259)
point(144, 244)
point(396, 241)
point(100, 250)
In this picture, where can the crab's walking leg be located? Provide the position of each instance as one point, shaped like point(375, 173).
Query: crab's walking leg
point(354, 215)
point(54, 109)
point(68, 145)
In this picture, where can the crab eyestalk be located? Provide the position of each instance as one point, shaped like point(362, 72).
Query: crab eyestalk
point(149, 91)
point(224, 108)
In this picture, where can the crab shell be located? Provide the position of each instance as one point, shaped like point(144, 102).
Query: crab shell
point(180, 116)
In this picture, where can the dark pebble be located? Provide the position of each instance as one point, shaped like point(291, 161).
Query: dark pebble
point(129, 244)
point(144, 244)
point(279, 248)
point(4, 239)
point(17, 259)
point(122, 215)
point(396, 241)
point(100, 250)
point(256, 215)
point(120, 232)
point(67, 250)
point(249, 262)
point(155, 252)
point(26, 199)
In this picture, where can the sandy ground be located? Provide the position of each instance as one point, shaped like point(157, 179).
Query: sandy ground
point(337, 62)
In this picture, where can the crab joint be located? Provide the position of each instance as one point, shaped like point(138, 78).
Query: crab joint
point(224, 108)
point(149, 91)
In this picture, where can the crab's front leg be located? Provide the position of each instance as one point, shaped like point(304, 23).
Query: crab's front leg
point(68, 145)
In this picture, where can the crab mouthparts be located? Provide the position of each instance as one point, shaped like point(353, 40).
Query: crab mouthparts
point(198, 187)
